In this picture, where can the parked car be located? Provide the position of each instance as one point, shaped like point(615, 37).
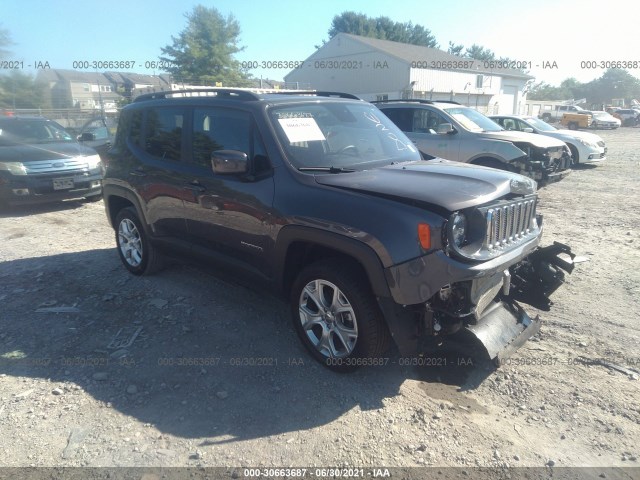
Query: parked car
point(321, 197)
point(41, 162)
point(96, 133)
point(559, 111)
point(628, 116)
point(585, 146)
point(455, 132)
point(602, 119)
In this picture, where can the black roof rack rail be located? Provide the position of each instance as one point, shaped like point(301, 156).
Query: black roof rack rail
point(219, 91)
point(417, 100)
point(320, 93)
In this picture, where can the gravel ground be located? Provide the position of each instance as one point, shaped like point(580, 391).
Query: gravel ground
point(186, 368)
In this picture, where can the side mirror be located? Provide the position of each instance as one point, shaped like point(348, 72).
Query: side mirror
point(444, 129)
point(527, 129)
point(228, 162)
point(87, 137)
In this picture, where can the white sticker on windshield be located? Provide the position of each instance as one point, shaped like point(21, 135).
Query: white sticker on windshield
point(301, 129)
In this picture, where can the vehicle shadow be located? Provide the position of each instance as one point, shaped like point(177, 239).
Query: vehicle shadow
point(39, 208)
point(184, 351)
point(584, 166)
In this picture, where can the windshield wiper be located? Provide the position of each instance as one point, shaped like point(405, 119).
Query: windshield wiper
point(331, 169)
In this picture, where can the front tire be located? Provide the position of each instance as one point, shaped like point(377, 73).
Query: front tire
point(575, 156)
point(137, 254)
point(336, 316)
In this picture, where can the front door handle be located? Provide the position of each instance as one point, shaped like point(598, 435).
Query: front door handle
point(138, 172)
point(196, 186)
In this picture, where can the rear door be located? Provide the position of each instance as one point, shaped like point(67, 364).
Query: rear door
point(156, 167)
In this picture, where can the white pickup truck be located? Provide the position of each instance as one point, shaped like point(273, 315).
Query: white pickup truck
point(556, 114)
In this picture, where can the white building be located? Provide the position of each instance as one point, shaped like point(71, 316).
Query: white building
point(380, 69)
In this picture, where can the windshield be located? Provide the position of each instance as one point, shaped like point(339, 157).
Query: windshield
point(30, 131)
point(473, 120)
point(603, 115)
point(340, 135)
point(540, 125)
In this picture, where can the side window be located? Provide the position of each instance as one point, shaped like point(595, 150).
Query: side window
point(402, 117)
point(219, 129)
point(426, 121)
point(135, 131)
point(520, 125)
point(510, 124)
point(163, 134)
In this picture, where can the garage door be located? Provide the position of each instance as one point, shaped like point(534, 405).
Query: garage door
point(507, 105)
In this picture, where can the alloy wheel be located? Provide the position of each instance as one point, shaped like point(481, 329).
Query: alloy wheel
point(328, 319)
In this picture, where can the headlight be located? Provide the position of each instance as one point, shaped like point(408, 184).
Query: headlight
point(459, 229)
point(15, 168)
point(93, 161)
point(588, 143)
point(523, 186)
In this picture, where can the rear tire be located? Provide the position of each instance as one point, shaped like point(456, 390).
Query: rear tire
point(337, 317)
point(137, 254)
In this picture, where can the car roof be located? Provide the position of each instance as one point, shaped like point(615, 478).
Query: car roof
point(243, 95)
point(414, 101)
point(523, 117)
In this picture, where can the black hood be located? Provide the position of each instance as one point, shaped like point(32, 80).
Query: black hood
point(43, 151)
point(450, 185)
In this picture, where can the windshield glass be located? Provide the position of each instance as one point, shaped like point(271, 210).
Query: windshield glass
point(540, 125)
point(473, 120)
point(602, 115)
point(30, 131)
point(340, 135)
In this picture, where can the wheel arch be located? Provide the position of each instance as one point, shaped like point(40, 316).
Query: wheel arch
point(575, 153)
point(299, 246)
point(117, 198)
point(490, 161)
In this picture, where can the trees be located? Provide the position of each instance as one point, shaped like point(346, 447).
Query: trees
point(614, 83)
point(5, 41)
point(20, 90)
point(455, 49)
point(479, 53)
point(383, 28)
point(17, 89)
point(203, 53)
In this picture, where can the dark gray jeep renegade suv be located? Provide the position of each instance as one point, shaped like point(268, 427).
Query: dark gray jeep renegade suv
point(319, 195)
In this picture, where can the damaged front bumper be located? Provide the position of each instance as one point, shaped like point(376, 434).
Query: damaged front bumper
point(485, 307)
point(545, 168)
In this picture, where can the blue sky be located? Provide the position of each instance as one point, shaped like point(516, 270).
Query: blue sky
point(566, 32)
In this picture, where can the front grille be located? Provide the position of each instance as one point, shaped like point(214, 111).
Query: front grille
point(54, 166)
point(509, 224)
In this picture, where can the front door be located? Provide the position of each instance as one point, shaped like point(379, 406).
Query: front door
point(424, 135)
point(230, 213)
